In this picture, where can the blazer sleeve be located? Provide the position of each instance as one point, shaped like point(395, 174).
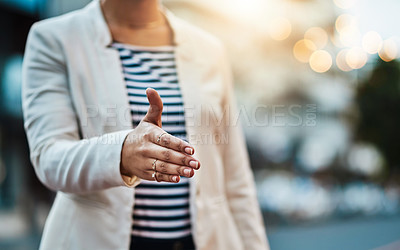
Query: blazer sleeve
point(62, 161)
point(240, 186)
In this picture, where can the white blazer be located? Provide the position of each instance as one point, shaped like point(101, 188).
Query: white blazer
point(77, 116)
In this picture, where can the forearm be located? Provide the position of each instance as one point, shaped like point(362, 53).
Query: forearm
point(79, 166)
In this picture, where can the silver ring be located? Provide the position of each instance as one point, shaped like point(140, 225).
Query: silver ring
point(154, 176)
point(159, 137)
point(153, 166)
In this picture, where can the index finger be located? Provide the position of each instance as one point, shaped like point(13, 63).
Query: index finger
point(172, 142)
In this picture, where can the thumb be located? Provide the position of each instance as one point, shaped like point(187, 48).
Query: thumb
point(155, 109)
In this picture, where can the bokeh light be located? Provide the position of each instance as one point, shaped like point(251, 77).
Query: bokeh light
point(295, 196)
point(345, 4)
point(303, 49)
point(364, 198)
point(365, 159)
point(350, 36)
point(318, 36)
point(356, 58)
point(341, 61)
point(345, 20)
point(280, 28)
point(320, 61)
point(277, 147)
point(389, 50)
point(372, 42)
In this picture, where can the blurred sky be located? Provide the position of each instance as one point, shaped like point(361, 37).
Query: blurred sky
point(382, 16)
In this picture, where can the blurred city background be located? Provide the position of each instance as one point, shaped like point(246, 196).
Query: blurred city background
point(326, 154)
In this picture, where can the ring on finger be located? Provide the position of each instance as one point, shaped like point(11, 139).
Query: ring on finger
point(159, 137)
point(153, 166)
point(154, 176)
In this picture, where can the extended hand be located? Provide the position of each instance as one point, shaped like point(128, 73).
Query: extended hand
point(148, 149)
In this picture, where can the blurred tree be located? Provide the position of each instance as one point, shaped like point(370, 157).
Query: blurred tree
point(379, 103)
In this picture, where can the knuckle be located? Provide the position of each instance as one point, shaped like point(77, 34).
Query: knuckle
point(185, 160)
point(139, 149)
point(146, 135)
point(167, 154)
point(161, 177)
point(163, 167)
point(144, 150)
point(180, 170)
point(180, 146)
point(165, 140)
point(153, 130)
point(149, 134)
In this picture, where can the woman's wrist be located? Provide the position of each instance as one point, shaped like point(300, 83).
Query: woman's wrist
point(129, 181)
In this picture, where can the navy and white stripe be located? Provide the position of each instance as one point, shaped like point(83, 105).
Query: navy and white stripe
point(161, 210)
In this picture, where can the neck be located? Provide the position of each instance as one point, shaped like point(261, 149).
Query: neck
point(131, 12)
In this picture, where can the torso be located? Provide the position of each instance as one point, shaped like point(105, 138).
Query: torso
point(161, 211)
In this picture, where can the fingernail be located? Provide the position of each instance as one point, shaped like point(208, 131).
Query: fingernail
point(189, 150)
point(194, 164)
point(187, 172)
point(175, 178)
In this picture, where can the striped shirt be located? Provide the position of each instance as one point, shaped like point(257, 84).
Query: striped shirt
point(161, 210)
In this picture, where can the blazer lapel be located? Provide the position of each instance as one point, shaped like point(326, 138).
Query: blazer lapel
point(114, 93)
